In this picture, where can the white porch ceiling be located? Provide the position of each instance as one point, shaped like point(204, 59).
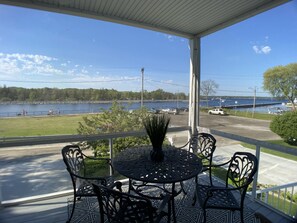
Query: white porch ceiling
point(186, 18)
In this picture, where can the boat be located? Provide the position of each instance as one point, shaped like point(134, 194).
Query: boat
point(290, 105)
point(276, 111)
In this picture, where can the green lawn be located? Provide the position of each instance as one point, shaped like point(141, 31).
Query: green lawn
point(245, 114)
point(39, 126)
point(283, 205)
point(273, 152)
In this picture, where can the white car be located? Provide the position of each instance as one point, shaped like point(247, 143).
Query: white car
point(216, 111)
point(173, 111)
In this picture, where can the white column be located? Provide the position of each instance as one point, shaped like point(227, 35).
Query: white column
point(194, 84)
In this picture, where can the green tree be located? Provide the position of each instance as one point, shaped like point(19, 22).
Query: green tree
point(207, 88)
point(281, 81)
point(286, 127)
point(116, 119)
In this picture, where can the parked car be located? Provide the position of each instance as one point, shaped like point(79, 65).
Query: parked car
point(216, 111)
point(173, 111)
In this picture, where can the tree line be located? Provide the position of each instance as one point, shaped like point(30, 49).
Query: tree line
point(18, 94)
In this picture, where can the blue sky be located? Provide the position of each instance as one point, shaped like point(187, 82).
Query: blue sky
point(43, 49)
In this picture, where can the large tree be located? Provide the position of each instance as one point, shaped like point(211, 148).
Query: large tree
point(281, 81)
point(207, 88)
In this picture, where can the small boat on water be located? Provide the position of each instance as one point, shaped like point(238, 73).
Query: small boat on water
point(276, 111)
point(290, 105)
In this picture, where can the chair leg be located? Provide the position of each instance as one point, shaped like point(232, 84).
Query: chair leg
point(130, 186)
point(72, 211)
point(183, 188)
point(204, 216)
point(194, 199)
point(241, 216)
point(195, 194)
point(169, 212)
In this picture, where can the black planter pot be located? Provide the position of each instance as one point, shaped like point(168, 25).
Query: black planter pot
point(157, 155)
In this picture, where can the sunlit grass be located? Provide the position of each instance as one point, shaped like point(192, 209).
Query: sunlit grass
point(273, 152)
point(39, 126)
point(279, 203)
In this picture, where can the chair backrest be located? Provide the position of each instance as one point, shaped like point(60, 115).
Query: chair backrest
point(204, 145)
point(74, 161)
point(122, 207)
point(241, 171)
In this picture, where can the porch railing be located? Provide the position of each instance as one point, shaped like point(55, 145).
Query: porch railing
point(27, 141)
point(281, 197)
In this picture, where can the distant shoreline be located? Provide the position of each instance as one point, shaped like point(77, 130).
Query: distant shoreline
point(86, 102)
point(125, 101)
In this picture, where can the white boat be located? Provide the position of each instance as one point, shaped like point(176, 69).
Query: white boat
point(289, 104)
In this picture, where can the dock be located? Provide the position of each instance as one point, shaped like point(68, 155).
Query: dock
point(249, 105)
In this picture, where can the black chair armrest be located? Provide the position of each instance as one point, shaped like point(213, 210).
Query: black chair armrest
point(96, 158)
point(90, 178)
point(181, 147)
point(210, 191)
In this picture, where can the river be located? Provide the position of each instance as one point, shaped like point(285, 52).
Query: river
point(41, 109)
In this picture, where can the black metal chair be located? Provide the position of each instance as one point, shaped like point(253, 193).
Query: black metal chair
point(74, 160)
point(119, 207)
point(203, 145)
point(240, 173)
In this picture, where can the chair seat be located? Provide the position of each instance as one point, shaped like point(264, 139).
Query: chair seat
point(220, 198)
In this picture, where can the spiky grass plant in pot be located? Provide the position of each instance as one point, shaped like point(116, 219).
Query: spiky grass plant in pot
point(156, 127)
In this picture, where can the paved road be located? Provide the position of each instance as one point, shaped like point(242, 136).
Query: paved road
point(251, 128)
point(34, 170)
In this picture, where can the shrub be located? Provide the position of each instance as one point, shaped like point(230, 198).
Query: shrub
point(286, 127)
point(114, 120)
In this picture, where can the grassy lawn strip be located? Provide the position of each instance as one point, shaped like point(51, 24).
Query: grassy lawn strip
point(39, 126)
point(245, 114)
point(282, 204)
point(248, 114)
point(273, 152)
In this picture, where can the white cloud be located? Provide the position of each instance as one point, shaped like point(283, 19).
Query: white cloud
point(170, 38)
point(256, 49)
point(266, 49)
point(28, 70)
point(261, 49)
point(17, 64)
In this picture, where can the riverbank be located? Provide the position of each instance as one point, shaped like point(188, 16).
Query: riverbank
point(13, 109)
point(84, 102)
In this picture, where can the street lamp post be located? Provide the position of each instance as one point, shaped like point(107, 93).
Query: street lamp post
point(142, 77)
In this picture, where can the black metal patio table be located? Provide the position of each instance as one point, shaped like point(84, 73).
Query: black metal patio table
point(178, 165)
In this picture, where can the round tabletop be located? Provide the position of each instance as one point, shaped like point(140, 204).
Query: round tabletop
point(178, 165)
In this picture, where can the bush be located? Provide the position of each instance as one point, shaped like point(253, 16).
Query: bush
point(116, 119)
point(286, 127)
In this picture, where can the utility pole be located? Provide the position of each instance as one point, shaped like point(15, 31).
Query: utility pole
point(142, 77)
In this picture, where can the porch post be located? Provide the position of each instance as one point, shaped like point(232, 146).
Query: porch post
point(194, 84)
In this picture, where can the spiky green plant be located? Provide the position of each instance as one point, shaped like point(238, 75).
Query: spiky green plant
point(156, 127)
